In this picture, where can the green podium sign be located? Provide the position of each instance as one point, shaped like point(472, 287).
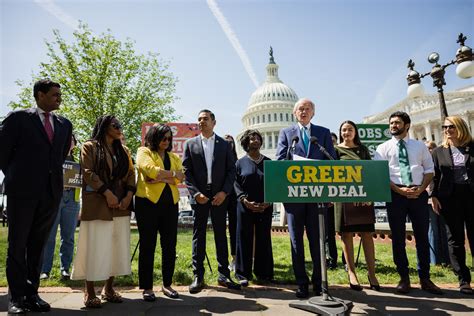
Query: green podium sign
point(314, 181)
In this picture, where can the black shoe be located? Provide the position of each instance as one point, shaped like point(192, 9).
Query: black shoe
point(169, 292)
point(149, 296)
point(302, 291)
point(243, 281)
point(228, 283)
point(16, 307)
point(65, 275)
point(375, 287)
point(196, 286)
point(34, 303)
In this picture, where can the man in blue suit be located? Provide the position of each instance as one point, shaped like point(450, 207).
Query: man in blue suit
point(304, 215)
point(209, 169)
point(34, 144)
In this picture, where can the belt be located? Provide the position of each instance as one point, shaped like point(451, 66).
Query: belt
point(407, 186)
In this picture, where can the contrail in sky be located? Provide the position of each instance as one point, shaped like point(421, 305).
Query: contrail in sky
point(233, 40)
point(59, 13)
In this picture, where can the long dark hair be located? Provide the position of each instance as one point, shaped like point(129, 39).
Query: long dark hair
point(356, 136)
point(231, 142)
point(101, 167)
point(155, 135)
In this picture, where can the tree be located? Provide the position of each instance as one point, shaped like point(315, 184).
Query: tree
point(102, 75)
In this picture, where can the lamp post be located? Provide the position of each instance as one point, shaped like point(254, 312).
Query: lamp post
point(465, 69)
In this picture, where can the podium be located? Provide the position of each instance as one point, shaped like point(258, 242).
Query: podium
point(320, 181)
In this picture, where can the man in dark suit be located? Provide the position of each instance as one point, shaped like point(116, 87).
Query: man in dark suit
point(209, 168)
point(301, 215)
point(34, 144)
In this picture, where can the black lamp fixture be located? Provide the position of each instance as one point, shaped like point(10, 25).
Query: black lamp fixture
point(464, 69)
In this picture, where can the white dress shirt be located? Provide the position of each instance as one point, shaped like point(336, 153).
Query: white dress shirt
point(42, 117)
point(307, 130)
point(419, 158)
point(208, 148)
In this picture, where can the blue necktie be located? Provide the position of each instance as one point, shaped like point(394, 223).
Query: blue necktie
point(305, 138)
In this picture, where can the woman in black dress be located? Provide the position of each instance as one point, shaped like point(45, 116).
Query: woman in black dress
point(254, 217)
point(350, 148)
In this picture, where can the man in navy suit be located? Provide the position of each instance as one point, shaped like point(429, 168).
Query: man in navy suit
point(301, 215)
point(34, 144)
point(209, 168)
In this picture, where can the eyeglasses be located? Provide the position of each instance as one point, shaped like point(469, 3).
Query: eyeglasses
point(116, 125)
point(448, 126)
point(166, 139)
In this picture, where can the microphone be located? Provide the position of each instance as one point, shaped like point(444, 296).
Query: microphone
point(291, 149)
point(314, 140)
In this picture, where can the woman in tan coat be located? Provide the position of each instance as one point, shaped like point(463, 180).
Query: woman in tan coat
point(103, 250)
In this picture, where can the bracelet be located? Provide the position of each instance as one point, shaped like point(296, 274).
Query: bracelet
point(173, 173)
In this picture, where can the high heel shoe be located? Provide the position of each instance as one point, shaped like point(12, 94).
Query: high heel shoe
point(375, 287)
point(355, 287)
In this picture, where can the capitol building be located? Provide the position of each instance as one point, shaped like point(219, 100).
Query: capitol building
point(270, 109)
point(425, 113)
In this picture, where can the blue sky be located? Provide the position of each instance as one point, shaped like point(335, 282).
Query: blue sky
point(349, 57)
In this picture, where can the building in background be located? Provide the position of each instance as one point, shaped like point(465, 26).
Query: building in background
point(270, 109)
point(425, 113)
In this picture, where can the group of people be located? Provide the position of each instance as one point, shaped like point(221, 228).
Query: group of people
point(218, 184)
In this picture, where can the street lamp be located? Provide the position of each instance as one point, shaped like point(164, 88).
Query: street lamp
point(465, 69)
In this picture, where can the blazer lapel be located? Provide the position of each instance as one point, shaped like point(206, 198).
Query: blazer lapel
point(201, 151)
point(299, 146)
point(447, 156)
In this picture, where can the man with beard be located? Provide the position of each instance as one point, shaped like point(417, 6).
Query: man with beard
point(411, 170)
point(209, 169)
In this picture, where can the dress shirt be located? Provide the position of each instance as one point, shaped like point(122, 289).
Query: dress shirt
point(308, 129)
point(208, 148)
point(42, 117)
point(419, 158)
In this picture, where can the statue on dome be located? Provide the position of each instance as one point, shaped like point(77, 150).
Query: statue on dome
point(272, 61)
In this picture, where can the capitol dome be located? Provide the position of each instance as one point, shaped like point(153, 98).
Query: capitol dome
point(270, 109)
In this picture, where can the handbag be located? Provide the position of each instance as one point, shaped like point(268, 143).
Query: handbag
point(358, 213)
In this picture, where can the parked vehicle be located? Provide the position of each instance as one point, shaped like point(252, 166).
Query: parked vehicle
point(185, 217)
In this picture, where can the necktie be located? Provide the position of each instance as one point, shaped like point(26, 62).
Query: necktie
point(405, 171)
point(48, 128)
point(305, 138)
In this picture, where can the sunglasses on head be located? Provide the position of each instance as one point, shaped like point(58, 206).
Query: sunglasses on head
point(116, 125)
point(448, 126)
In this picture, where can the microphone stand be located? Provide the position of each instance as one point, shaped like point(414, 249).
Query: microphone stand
point(325, 304)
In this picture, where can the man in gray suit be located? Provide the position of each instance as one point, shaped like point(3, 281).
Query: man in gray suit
point(209, 168)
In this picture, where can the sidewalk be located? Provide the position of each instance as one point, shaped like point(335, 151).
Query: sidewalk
point(256, 300)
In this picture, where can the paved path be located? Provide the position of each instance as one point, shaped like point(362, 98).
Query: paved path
point(256, 301)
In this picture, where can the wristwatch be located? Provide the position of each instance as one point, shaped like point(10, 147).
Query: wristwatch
point(173, 173)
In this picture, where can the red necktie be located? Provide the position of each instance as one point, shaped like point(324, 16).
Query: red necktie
point(48, 128)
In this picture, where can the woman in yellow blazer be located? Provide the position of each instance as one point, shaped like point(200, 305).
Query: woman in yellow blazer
point(156, 207)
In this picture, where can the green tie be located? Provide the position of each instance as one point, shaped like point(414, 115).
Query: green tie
point(405, 171)
point(305, 139)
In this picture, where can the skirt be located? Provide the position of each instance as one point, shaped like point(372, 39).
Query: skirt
point(103, 250)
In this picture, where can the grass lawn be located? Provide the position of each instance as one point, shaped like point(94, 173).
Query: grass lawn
point(385, 268)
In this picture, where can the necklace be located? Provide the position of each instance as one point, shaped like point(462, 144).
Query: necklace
point(258, 160)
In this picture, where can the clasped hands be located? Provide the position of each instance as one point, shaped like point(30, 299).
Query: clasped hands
point(411, 192)
point(113, 202)
point(255, 206)
point(216, 200)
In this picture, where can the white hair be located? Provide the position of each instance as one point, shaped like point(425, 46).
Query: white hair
point(301, 101)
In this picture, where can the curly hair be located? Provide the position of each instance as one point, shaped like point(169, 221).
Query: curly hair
point(245, 138)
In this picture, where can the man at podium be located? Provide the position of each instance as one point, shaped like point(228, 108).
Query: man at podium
point(295, 141)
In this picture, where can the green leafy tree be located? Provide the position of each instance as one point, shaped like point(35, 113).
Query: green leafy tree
point(102, 75)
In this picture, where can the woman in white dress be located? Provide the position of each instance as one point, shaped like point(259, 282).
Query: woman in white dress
point(103, 249)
